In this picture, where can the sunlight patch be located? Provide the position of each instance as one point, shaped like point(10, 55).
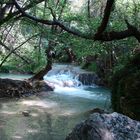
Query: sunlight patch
point(39, 103)
point(8, 112)
point(32, 131)
point(17, 137)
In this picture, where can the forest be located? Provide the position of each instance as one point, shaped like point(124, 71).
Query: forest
point(65, 61)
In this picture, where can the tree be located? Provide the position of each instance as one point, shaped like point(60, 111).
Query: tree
point(100, 35)
point(56, 21)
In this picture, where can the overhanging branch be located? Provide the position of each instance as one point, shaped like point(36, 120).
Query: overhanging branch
point(14, 14)
point(54, 22)
point(100, 35)
point(110, 36)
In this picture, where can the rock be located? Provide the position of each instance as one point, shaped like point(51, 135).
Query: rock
point(14, 88)
point(21, 88)
point(26, 113)
point(94, 110)
point(42, 86)
point(89, 79)
point(113, 126)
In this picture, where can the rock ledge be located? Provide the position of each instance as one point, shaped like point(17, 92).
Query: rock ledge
point(113, 126)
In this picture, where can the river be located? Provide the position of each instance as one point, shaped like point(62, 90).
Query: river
point(52, 114)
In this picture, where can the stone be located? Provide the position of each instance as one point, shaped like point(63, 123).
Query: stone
point(20, 88)
point(26, 113)
point(113, 126)
point(14, 88)
point(42, 86)
point(89, 79)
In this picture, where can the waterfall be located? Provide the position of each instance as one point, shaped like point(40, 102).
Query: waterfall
point(65, 76)
point(65, 80)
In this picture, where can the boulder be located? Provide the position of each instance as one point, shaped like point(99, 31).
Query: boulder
point(41, 85)
point(14, 88)
point(89, 79)
point(113, 126)
point(21, 88)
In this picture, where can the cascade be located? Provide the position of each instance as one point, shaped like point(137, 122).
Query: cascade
point(63, 78)
point(66, 76)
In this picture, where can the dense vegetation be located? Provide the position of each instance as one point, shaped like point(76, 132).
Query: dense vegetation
point(99, 35)
point(125, 93)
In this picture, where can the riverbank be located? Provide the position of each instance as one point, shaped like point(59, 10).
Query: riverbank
point(20, 88)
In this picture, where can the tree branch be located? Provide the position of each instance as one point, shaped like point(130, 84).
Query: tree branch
point(52, 12)
point(54, 22)
point(110, 36)
point(12, 51)
point(105, 19)
point(134, 30)
point(100, 35)
point(7, 48)
point(12, 15)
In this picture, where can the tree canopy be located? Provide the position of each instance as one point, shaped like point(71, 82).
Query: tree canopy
point(27, 26)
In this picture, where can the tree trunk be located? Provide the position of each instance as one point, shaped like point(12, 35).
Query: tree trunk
point(40, 74)
point(48, 67)
point(70, 54)
point(88, 9)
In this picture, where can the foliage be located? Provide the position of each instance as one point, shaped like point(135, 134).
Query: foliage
point(78, 19)
point(125, 88)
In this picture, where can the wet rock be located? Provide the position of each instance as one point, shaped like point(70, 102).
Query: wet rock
point(113, 126)
point(21, 88)
point(42, 86)
point(94, 110)
point(26, 113)
point(14, 88)
point(89, 79)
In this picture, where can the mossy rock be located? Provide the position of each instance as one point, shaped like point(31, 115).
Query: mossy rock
point(126, 89)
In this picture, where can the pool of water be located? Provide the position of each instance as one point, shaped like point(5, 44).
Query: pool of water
point(52, 114)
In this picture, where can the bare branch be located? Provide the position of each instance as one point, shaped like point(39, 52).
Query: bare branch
point(14, 14)
point(12, 51)
point(7, 48)
point(52, 12)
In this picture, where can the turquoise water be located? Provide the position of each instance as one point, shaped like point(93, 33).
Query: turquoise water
point(52, 114)
point(14, 76)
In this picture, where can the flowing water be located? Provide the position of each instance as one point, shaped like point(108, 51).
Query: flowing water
point(52, 114)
